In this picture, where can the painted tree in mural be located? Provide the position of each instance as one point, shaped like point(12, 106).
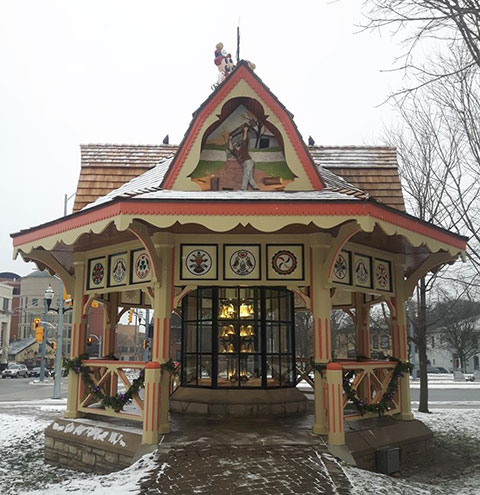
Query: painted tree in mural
point(242, 151)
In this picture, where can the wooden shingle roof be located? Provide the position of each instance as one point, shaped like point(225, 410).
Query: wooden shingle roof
point(106, 167)
point(374, 170)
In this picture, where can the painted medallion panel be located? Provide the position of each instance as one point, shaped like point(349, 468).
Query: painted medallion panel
point(97, 273)
point(242, 262)
point(285, 262)
point(131, 297)
point(141, 267)
point(242, 151)
point(383, 275)
point(118, 270)
point(342, 268)
point(362, 271)
point(198, 262)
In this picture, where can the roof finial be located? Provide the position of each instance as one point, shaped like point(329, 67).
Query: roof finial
point(223, 61)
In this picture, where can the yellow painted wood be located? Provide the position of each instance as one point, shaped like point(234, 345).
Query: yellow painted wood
point(74, 380)
point(150, 435)
point(336, 433)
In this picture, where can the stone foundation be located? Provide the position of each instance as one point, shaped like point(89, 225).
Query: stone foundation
point(364, 437)
point(238, 403)
point(93, 446)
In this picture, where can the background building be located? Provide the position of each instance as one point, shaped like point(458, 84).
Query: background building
point(32, 293)
point(6, 296)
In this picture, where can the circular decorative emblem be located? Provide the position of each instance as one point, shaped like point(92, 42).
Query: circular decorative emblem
point(284, 262)
point(242, 262)
point(340, 267)
point(199, 262)
point(119, 270)
point(98, 272)
point(142, 266)
point(382, 275)
point(361, 272)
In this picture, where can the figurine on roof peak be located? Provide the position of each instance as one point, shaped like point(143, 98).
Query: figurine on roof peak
point(224, 62)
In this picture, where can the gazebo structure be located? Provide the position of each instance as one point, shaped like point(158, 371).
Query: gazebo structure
point(236, 229)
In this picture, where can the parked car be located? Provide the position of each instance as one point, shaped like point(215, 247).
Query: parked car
point(434, 369)
point(36, 372)
point(14, 371)
point(443, 370)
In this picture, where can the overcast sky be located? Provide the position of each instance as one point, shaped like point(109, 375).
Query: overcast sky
point(76, 72)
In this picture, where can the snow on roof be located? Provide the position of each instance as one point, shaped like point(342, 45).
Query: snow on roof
point(147, 182)
point(18, 346)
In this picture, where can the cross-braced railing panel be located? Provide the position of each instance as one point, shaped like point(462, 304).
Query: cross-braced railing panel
point(304, 371)
point(370, 381)
point(107, 377)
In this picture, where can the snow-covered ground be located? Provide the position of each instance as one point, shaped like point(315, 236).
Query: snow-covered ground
point(23, 472)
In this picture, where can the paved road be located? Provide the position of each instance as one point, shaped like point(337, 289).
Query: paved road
point(12, 389)
point(459, 394)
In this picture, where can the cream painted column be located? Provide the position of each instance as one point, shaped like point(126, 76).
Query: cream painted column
point(399, 337)
point(321, 307)
point(77, 341)
point(162, 308)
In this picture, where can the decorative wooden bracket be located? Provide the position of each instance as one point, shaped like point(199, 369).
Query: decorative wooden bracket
point(48, 260)
point(299, 292)
point(186, 290)
point(346, 231)
point(141, 231)
point(433, 261)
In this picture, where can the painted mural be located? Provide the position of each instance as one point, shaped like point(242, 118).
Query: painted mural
point(241, 154)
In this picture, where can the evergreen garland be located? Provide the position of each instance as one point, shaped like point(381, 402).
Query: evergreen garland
point(116, 402)
point(383, 405)
point(119, 401)
point(172, 367)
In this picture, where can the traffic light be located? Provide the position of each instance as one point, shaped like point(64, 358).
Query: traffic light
point(39, 334)
point(54, 345)
point(36, 323)
point(130, 315)
point(145, 343)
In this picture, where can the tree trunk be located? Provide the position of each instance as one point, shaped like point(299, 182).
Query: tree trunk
point(422, 345)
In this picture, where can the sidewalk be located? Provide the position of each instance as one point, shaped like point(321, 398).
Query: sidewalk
point(255, 456)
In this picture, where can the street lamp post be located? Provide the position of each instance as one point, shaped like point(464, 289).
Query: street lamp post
point(47, 301)
point(57, 384)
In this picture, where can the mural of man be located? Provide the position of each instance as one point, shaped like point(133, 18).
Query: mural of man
point(240, 152)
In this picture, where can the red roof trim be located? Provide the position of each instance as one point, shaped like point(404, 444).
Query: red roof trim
point(237, 209)
point(242, 72)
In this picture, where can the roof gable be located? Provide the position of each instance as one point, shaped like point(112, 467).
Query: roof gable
point(209, 157)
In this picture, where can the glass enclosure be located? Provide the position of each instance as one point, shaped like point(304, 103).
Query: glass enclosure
point(238, 337)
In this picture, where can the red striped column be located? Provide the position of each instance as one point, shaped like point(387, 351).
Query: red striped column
point(336, 433)
point(151, 405)
point(320, 307)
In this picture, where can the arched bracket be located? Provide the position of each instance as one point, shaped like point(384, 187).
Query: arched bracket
point(345, 232)
point(186, 290)
point(141, 231)
point(299, 292)
point(47, 259)
point(433, 261)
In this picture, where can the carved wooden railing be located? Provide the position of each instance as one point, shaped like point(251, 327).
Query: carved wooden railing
point(370, 380)
point(109, 376)
point(304, 372)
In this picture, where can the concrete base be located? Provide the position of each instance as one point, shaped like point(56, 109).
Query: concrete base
point(250, 403)
point(364, 437)
point(93, 446)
